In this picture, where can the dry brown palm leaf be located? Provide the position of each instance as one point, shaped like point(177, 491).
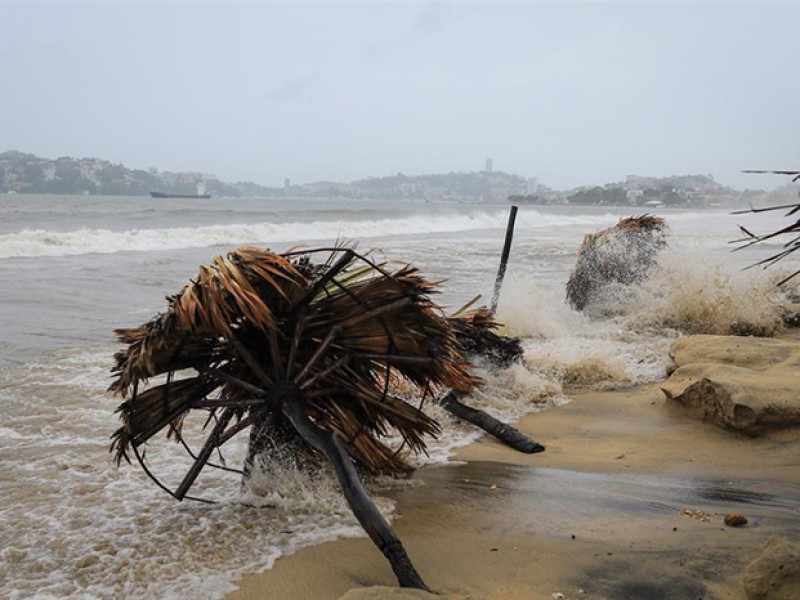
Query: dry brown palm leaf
point(643, 222)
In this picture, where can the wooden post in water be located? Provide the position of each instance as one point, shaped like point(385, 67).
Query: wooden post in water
point(501, 272)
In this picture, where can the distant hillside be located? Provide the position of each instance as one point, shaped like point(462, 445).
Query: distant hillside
point(697, 191)
point(475, 185)
point(30, 174)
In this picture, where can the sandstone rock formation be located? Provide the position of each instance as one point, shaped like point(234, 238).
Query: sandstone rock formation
point(746, 384)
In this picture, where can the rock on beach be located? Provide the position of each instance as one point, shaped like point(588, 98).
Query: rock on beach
point(745, 384)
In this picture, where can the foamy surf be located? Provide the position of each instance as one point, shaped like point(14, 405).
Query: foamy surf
point(697, 295)
point(624, 337)
point(37, 242)
point(92, 530)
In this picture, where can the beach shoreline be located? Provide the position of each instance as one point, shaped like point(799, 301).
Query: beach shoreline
point(599, 514)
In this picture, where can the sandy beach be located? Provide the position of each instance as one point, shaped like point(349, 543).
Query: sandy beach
point(598, 515)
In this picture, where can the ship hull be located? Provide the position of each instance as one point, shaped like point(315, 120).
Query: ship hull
point(163, 195)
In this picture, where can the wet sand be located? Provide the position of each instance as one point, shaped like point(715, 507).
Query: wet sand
point(619, 468)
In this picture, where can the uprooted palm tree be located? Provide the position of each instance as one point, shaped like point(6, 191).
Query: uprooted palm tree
point(301, 353)
point(622, 254)
point(793, 229)
point(274, 342)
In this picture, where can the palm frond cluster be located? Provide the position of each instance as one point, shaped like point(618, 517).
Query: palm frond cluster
point(257, 329)
point(793, 229)
point(624, 254)
point(476, 334)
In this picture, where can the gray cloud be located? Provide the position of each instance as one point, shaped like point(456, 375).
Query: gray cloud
point(292, 88)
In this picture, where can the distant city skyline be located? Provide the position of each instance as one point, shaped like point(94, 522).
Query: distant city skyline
point(573, 93)
point(25, 173)
point(758, 181)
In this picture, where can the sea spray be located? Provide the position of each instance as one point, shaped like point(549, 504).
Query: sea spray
point(620, 255)
point(567, 348)
point(529, 310)
point(693, 295)
point(684, 294)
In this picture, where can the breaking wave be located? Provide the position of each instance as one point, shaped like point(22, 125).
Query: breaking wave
point(624, 338)
point(38, 242)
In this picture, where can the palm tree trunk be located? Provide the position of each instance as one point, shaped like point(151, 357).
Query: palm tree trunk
point(379, 531)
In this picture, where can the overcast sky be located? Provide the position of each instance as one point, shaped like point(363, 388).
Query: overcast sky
point(571, 93)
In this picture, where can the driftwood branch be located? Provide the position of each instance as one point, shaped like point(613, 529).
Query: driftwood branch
point(505, 433)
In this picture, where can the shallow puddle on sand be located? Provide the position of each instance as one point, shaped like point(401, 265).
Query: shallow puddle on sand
point(623, 536)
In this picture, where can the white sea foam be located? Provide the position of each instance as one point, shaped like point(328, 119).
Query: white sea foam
point(566, 348)
point(92, 530)
point(37, 242)
point(529, 310)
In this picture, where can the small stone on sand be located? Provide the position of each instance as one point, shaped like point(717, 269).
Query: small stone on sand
point(735, 520)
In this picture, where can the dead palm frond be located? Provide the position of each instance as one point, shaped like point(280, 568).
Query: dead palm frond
point(643, 222)
point(793, 229)
point(257, 326)
point(475, 331)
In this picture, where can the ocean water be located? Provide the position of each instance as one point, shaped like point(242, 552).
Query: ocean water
point(74, 268)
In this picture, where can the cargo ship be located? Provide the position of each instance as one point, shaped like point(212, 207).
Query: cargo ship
point(164, 195)
point(201, 193)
